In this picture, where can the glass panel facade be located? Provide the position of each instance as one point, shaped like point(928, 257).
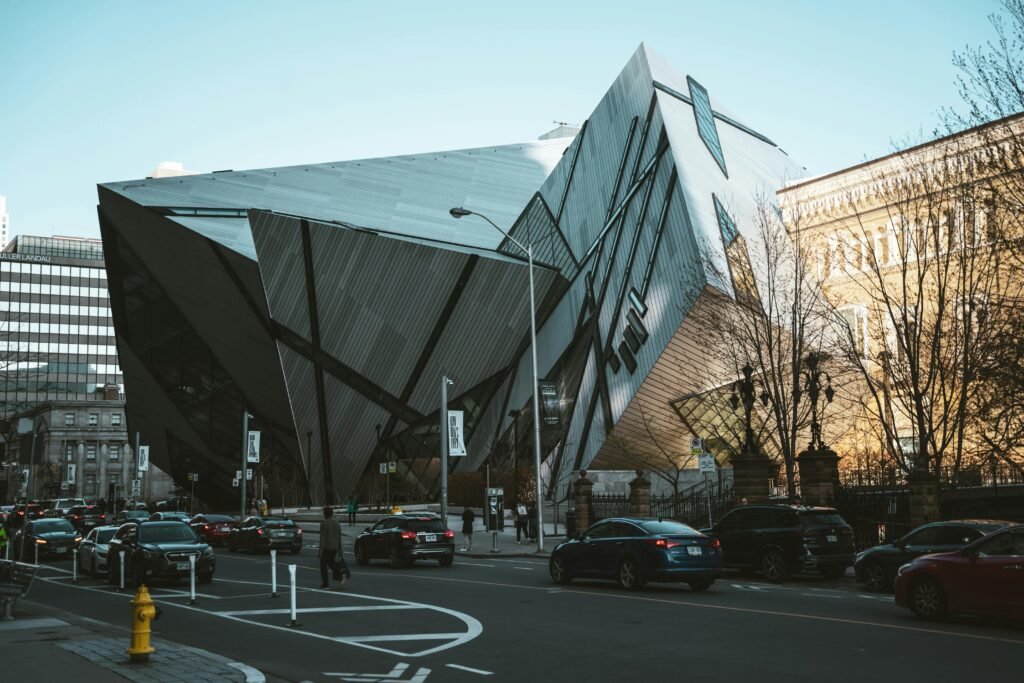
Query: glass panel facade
point(705, 116)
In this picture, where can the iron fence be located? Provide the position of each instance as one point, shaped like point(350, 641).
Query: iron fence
point(694, 505)
point(605, 505)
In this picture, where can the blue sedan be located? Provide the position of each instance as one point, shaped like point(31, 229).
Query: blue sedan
point(634, 551)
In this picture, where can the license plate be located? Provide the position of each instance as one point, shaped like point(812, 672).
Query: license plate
point(832, 539)
point(222, 528)
point(60, 550)
point(181, 566)
point(282, 534)
point(694, 550)
point(430, 538)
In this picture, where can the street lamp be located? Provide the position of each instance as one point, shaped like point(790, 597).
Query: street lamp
point(459, 212)
point(743, 391)
point(25, 425)
point(813, 385)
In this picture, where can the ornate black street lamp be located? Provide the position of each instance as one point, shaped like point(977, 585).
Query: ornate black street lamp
point(812, 384)
point(743, 391)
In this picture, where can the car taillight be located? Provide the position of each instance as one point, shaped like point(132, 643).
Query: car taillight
point(259, 532)
point(76, 516)
point(715, 543)
point(448, 533)
point(206, 527)
point(298, 532)
point(666, 543)
point(103, 517)
point(409, 535)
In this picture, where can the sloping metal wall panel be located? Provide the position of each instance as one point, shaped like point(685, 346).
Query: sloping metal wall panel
point(283, 269)
point(351, 421)
point(298, 373)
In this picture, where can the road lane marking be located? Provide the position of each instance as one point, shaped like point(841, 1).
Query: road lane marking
point(470, 669)
point(474, 564)
point(525, 569)
point(819, 595)
point(311, 610)
point(394, 675)
point(397, 637)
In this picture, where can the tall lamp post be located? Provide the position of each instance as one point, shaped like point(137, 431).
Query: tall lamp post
point(813, 386)
point(459, 212)
point(25, 425)
point(743, 392)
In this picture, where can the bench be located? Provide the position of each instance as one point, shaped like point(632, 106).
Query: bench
point(15, 580)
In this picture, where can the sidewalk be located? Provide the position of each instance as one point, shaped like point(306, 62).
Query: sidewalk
point(43, 643)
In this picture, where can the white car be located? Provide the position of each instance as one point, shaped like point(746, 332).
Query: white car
point(92, 551)
point(62, 505)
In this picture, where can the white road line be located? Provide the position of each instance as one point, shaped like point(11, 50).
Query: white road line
point(819, 595)
point(474, 564)
point(397, 637)
point(470, 669)
point(525, 569)
point(310, 610)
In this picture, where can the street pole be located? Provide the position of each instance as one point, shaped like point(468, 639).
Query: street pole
point(138, 443)
point(444, 449)
point(31, 468)
point(536, 408)
point(245, 448)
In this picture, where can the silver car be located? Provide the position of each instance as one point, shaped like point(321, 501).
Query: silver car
point(92, 551)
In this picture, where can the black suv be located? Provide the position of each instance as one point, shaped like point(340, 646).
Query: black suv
point(157, 550)
point(781, 539)
point(403, 539)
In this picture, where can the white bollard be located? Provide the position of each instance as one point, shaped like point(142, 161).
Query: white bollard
point(273, 573)
point(291, 574)
point(120, 569)
point(37, 553)
point(192, 579)
point(74, 565)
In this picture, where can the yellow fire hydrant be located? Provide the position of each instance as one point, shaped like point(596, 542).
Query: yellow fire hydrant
point(143, 612)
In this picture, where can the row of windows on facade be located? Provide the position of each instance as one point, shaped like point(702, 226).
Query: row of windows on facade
point(35, 308)
point(843, 251)
point(855, 317)
point(47, 270)
point(66, 247)
point(37, 327)
point(47, 289)
point(9, 347)
point(113, 452)
point(93, 419)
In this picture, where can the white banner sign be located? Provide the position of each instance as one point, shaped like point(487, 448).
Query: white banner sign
point(252, 452)
point(456, 445)
point(143, 458)
point(707, 463)
point(71, 474)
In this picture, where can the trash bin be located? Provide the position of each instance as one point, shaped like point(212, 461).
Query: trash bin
point(570, 523)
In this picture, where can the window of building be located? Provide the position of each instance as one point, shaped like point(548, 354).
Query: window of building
point(855, 320)
point(90, 451)
point(705, 116)
point(69, 419)
point(726, 225)
point(69, 452)
point(94, 419)
point(90, 485)
point(115, 451)
point(115, 420)
point(908, 445)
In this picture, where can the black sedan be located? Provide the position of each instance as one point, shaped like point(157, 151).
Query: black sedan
point(85, 517)
point(52, 538)
point(157, 550)
point(403, 539)
point(260, 534)
point(634, 551)
point(876, 567)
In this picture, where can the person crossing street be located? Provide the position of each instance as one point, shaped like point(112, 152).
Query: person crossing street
point(330, 551)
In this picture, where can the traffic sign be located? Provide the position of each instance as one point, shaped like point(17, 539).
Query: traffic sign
point(193, 476)
point(707, 463)
point(392, 467)
point(383, 467)
point(696, 446)
point(234, 482)
point(248, 474)
point(495, 491)
point(238, 474)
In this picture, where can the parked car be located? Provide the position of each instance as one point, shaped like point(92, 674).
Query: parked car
point(633, 551)
point(52, 537)
point(125, 516)
point(169, 517)
point(404, 538)
point(985, 577)
point(5, 513)
point(215, 529)
point(876, 567)
point(157, 550)
point(263, 533)
point(62, 506)
point(92, 551)
point(85, 517)
point(781, 539)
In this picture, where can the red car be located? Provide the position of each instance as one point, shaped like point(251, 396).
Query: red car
point(214, 529)
point(985, 577)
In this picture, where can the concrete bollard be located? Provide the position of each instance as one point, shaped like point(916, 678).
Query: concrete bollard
point(291, 571)
point(273, 572)
point(192, 579)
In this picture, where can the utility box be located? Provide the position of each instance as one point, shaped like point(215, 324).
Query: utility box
point(494, 509)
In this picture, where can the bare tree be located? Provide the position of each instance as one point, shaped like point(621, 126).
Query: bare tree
point(661, 461)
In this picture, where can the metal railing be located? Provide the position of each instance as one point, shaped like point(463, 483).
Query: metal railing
point(692, 506)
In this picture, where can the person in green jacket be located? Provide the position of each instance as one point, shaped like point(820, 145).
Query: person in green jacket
point(352, 507)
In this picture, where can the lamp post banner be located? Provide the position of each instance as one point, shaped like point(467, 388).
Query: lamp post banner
point(456, 444)
point(252, 453)
point(143, 458)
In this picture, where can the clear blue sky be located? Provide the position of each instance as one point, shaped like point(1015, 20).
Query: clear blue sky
point(94, 91)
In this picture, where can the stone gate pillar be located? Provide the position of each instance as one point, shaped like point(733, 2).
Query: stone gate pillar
point(583, 492)
point(819, 476)
point(752, 475)
point(924, 497)
point(640, 496)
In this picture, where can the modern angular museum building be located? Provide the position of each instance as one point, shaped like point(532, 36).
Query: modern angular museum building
point(327, 301)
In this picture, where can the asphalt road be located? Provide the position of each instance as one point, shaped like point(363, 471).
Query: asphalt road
point(503, 619)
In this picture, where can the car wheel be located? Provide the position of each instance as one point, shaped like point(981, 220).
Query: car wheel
point(629, 574)
point(832, 573)
point(701, 586)
point(559, 572)
point(927, 599)
point(773, 566)
point(876, 579)
point(395, 558)
point(361, 558)
point(446, 561)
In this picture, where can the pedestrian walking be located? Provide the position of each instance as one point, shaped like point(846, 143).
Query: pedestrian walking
point(330, 551)
point(352, 507)
point(522, 523)
point(468, 517)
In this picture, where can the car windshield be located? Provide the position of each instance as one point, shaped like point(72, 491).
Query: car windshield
point(166, 533)
point(105, 535)
point(668, 527)
point(816, 520)
point(51, 526)
point(136, 514)
point(426, 525)
point(278, 522)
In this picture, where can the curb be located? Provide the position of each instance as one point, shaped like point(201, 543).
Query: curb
point(500, 554)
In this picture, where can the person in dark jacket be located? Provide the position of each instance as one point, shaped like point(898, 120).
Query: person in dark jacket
point(468, 517)
point(330, 550)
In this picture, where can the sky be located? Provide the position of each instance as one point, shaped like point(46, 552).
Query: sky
point(93, 91)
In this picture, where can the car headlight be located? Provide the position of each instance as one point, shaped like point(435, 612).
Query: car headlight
point(207, 551)
point(860, 556)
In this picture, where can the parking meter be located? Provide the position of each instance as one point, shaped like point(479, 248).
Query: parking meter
point(494, 511)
